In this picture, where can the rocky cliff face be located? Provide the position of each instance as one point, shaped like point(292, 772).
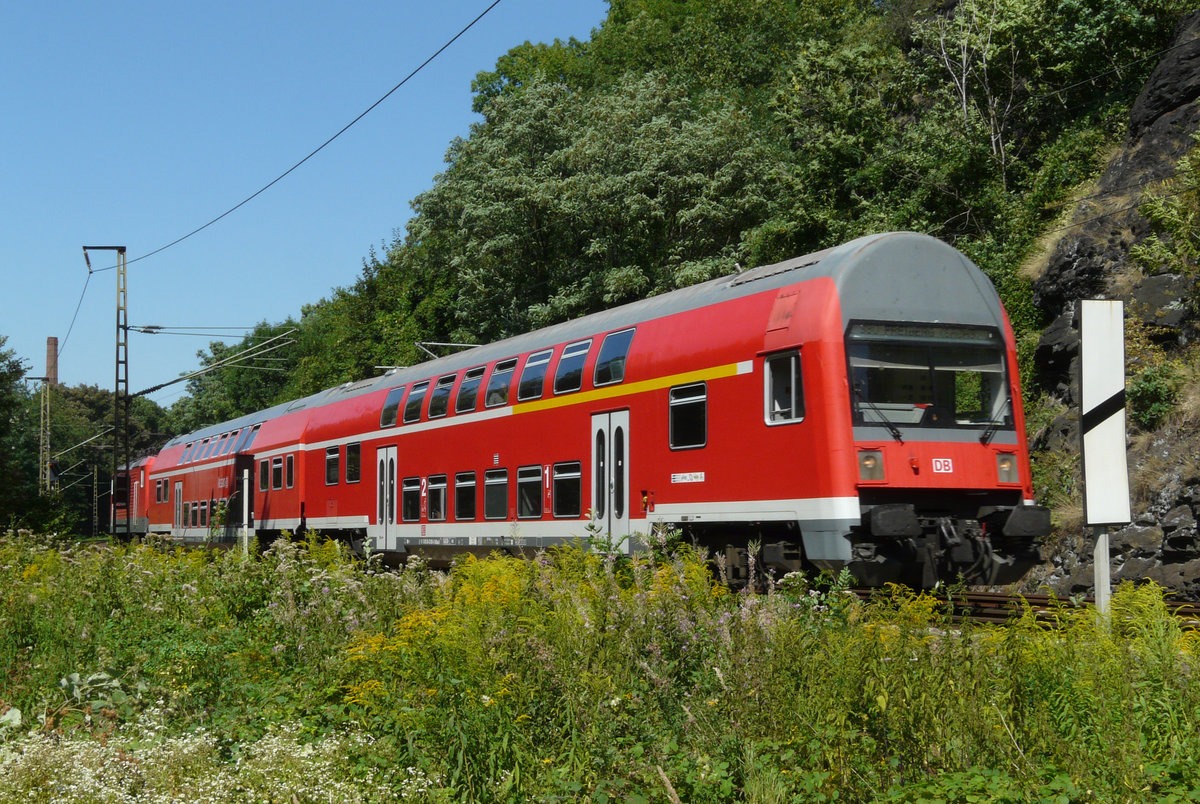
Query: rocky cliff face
point(1092, 261)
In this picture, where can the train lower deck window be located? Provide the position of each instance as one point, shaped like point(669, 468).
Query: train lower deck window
point(277, 473)
point(391, 407)
point(412, 408)
point(290, 464)
point(529, 492)
point(332, 467)
point(353, 462)
point(468, 390)
point(495, 494)
point(204, 513)
point(499, 383)
point(410, 499)
point(783, 389)
point(195, 515)
point(264, 470)
point(464, 495)
point(568, 489)
point(437, 498)
point(569, 374)
point(610, 363)
point(533, 376)
point(688, 412)
point(439, 400)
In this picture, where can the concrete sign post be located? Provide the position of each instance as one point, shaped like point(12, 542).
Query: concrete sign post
point(1102, 430)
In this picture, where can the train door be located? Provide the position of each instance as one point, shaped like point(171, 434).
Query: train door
point(178, 523)
point(385, 498)
point(610, 473)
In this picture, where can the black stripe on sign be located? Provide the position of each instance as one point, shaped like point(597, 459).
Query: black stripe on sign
point(1102, 412)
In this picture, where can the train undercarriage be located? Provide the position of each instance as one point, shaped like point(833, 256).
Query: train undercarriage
point(917, 546)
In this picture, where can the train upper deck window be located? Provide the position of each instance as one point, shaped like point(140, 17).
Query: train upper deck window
point(332, 469)
point(610, 363)
point(439, 400)
point(928, 375)
point(499, 383)
point(533, 376)
point(187, 451)
point(468, 390)
point(569, 374)
point(412, 408)
point(353, 462)
point(247, 438)
point(229, 442)
point(688, 411)
point(391, 407)
point(529, 492)
point(783, 389)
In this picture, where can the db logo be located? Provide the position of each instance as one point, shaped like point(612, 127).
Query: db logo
point(943, 465)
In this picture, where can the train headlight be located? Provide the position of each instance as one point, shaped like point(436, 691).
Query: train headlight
point(1006, 468)
point(870, 464)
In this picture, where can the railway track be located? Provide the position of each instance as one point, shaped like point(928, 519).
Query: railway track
point(998, 607)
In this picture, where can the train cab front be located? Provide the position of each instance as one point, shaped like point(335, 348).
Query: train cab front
point(942, 466)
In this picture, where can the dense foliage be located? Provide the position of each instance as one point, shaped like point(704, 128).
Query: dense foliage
point(300, 675)
point(685, 138)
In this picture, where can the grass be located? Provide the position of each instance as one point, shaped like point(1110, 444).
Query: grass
point(150, 674)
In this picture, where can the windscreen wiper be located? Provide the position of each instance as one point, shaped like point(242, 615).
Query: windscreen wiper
point(993, 425)
point(893, 429)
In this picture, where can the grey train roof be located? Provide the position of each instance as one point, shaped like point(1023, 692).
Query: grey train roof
point(873, 274)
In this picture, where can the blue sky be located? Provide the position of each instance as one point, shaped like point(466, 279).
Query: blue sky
point(132, 123)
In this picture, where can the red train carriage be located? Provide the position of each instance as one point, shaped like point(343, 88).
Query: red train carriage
point(128, 505)
point(856, 407)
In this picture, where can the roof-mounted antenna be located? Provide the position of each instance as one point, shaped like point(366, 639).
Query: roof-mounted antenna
point(424, 347)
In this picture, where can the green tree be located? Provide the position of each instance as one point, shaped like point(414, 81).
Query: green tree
point(561, 204)
point(18, 443)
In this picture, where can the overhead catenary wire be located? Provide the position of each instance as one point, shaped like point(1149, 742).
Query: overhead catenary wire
point(250, 353)
point(319, 148)
point(281, 176)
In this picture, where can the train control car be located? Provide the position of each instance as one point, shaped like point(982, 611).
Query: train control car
point(858, 407)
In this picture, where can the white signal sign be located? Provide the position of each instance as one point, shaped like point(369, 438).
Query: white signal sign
point(1102, 414)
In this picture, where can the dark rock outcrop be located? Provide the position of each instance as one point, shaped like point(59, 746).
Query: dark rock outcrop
point(1092, 260)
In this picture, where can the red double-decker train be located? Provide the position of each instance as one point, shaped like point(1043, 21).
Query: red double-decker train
point(857, 407)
